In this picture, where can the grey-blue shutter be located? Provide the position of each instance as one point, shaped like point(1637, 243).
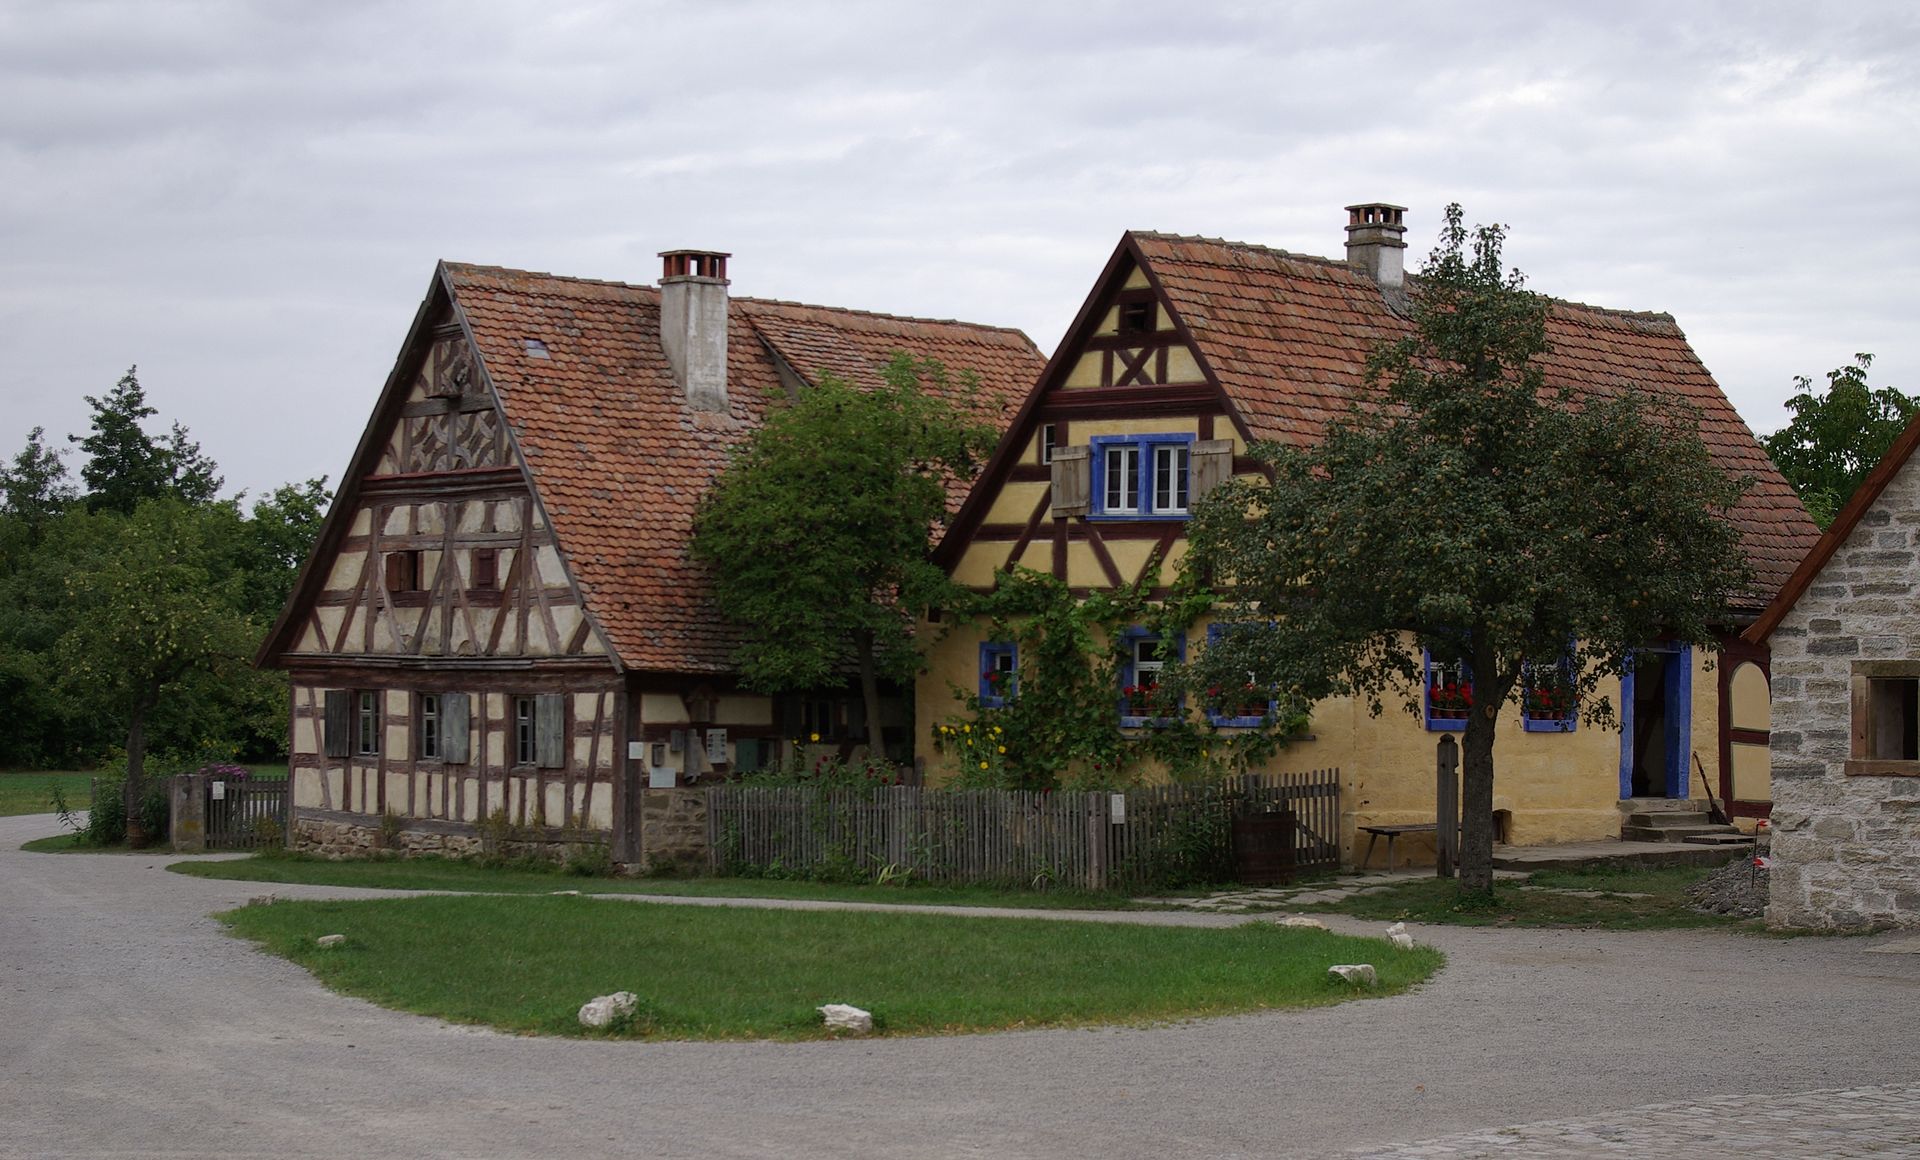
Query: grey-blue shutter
point(550, 730)
point(339, 723)
point(454, 747)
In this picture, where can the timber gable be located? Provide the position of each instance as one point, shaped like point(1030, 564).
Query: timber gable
point(438, 547)
point(1129, 365)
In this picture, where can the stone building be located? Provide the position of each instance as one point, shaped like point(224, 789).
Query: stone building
point(1845, 638)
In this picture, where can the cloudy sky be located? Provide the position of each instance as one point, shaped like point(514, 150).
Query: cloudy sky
point(247, 199)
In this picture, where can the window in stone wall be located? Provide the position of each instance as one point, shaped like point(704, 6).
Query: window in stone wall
point(1891, 718)
point(1886, 718)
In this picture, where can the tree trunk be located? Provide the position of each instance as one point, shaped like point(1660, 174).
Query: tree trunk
point(132, 791)
point(870, 694)
point(1476, 800)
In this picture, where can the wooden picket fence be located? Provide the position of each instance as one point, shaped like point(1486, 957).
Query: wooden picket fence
point(248, 815)
point(1159, 836)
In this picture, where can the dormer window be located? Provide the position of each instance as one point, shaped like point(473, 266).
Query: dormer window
point(1136, 318)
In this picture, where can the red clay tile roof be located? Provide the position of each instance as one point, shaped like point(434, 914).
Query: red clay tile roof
point(619, 460)
point(1288, 337)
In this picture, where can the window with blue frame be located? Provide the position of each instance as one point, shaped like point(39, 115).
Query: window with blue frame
point(1143, 659)
point(1142, 476)
point(1547, 704)
point(1449, 693)
point(1246, 707)
point(999, 673)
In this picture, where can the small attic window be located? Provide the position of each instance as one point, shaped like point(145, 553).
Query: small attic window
point(535, 348)
point(1136, 317)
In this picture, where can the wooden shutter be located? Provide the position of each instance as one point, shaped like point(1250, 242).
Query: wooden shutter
point(550, 730)
point(1212, 466)
point(453, 728)
point(1072, 480)
point(339, 723)
point(486, 568)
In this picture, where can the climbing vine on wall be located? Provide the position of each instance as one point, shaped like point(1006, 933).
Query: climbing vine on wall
point(1060, 725)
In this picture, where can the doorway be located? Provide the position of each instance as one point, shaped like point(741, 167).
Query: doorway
point(1656, 723)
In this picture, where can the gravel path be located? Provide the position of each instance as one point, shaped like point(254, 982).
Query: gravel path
point(130, 1025)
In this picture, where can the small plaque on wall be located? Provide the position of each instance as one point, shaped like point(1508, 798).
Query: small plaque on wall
point(636, 750)
point(717, 746)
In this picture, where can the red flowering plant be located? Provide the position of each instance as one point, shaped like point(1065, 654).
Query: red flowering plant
point(1450, 701)
point(1245, 703)
point(1548, 703)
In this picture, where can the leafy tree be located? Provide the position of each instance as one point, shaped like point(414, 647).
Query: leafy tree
point(34, 488)
point(817, 532)
point(150, 623)
point(1835, 438)
point(1476, 514)
point(280, 535)
point(125, 465)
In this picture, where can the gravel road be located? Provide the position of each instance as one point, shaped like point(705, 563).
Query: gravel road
point(131, 1025)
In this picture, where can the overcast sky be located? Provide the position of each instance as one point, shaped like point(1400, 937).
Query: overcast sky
point(247, 200)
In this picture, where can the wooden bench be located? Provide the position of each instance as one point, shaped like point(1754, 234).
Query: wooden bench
point(1391, 833)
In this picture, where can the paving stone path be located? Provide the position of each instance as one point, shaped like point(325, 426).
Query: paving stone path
point(1818, 1125)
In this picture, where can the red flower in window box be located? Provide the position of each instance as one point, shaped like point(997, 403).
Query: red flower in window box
point(1450, 701)
point(1548, 703)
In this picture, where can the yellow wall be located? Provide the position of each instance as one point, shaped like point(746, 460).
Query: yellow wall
point(1558, 787)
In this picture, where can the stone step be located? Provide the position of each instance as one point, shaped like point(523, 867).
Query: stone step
point(1661, 805)
point(1670, 833)
point(1665, 818)
point(1735, 838)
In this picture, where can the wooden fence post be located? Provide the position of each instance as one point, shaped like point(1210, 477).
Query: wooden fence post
point(1446, 808)
point(1096, 840)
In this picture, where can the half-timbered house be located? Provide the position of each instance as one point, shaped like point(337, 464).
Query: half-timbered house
point(1187, 351)
point(501, 622)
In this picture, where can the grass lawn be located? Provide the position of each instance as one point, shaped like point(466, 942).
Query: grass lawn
point(451, 874)
point(1609, 899)
point(526, 965)
point(32, 793)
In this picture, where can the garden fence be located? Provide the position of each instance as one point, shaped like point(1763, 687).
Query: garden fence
point(1245, 828)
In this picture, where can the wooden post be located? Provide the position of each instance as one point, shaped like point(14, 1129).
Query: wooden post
point(1446, 808)
point(1096, 841)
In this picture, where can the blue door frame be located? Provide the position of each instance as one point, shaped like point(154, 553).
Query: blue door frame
point(1678, 659)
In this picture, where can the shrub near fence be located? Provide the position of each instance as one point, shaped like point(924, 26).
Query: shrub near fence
point(1153, 838)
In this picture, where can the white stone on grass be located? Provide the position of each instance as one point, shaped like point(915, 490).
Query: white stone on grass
point(329, 941)
point(1301, 920)
point(1359, 974)
point(606, 1010)
point(262, 900)
point(845, 1017)
point(1396, 928)
point(1401, 940)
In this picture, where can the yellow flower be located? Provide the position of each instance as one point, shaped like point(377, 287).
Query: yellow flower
point(966, 728)
point(983, 765)
point(1003, 749)
point(813, 737)
point(996, 730)
point(1203, 752)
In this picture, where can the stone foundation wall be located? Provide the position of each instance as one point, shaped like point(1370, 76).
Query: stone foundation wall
point(328, 838)
point(673, 830)
point(1846, 848)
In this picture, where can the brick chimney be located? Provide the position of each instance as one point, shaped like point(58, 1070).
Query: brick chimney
point(1374, 243)
point(693, 324)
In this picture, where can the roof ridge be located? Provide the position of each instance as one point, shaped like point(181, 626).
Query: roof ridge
point(1337, 264)
point(482, 268)
point(881, 314)
point(745, 299)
